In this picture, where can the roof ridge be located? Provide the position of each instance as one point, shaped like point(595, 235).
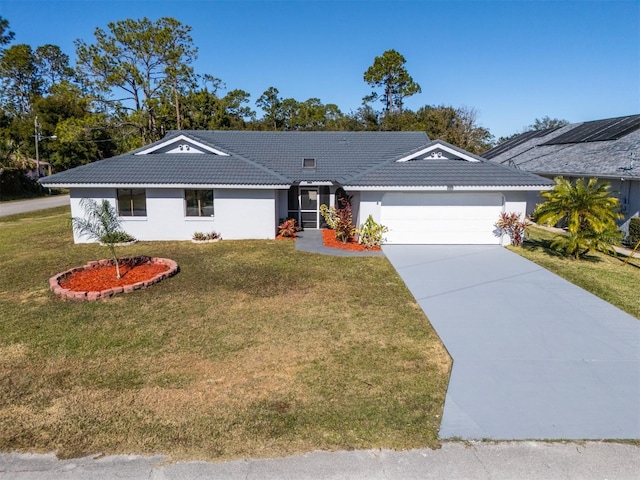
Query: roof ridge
point(430, 143)
point(278, 175)
point(384, 163)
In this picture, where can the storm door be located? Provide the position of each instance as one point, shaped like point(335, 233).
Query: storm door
point(309, 211)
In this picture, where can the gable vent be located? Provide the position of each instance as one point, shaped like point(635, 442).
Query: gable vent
point(308, 163)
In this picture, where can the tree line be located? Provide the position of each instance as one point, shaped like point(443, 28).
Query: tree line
point(135, 81)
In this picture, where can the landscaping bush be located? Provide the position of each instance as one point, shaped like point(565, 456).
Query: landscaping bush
point(345, 230)
point(510, 224)
point(329, 215)
point(203, 237)
point(340, 219)
point(634, 231)
point(288, 228)
point(371, 233)
point(116, 237)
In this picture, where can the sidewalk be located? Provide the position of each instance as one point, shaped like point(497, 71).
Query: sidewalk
point(311, 241)
point(456, 460)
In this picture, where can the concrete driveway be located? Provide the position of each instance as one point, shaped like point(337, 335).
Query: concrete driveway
point(534, 356)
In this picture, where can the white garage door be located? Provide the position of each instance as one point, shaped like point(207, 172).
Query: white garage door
point(441, 218)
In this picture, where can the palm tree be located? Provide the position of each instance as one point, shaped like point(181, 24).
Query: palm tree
point(101, 223)
point(589, 212)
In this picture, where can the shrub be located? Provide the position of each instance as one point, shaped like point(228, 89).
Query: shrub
point(330, 216)
point(340, 219)
point(634, 231)
point(288, 228)
point(510, 224)
point(116, 237)
point(202, 237)
point(371, 233)
point(344, 227)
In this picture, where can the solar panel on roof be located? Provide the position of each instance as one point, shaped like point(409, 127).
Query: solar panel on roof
point(519, 140)
point(509, 144)
point(546, 131)
point(618, 130)
point(598, 130)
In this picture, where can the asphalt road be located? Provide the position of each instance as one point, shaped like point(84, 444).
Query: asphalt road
point(24, 206)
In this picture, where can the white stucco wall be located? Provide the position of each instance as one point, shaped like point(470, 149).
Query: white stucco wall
point(97, 194)
point(369, 205)
point(238, 214)
point(282, 204)
point(516, 202)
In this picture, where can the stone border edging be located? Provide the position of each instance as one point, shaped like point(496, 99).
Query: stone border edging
point(66, 294)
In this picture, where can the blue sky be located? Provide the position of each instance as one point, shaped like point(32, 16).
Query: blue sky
point(513, 61)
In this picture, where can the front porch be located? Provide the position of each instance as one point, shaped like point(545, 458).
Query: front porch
point(304, 201)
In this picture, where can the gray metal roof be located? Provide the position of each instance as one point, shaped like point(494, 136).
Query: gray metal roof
point(448, 173)
point(338, 155)
point(452, 171)
point(276, 158)
point(616, 158)
point(169, 168)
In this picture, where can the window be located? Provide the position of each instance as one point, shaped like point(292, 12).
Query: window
point(199, 203)
point(132, 202)
point(308, 163)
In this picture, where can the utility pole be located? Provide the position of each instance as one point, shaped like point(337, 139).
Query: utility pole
point(37, 137)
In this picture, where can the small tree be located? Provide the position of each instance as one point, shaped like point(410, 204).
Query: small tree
point(589, 212)
point(101, 223)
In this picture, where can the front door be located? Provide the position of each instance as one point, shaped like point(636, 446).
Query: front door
point(309, 207)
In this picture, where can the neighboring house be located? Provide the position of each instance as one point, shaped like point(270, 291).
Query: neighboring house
point(607, 149)
point(43, 169)
point(243, 183)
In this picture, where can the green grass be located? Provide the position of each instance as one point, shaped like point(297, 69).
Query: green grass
point(603, 275)
point(252, 350)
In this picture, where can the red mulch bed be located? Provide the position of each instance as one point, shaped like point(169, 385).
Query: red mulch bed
point(103, 277)
point(329, 240)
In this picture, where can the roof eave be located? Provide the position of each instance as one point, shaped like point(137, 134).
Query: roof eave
point(611, 176)
point(502, 188)
point(243, 186)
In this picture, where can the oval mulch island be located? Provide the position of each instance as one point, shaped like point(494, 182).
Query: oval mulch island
point(98, 280)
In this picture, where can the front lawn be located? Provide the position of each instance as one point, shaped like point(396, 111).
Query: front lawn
point(252, 350)
point(603, 275)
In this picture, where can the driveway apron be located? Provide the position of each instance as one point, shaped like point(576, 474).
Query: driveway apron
point(534, 356)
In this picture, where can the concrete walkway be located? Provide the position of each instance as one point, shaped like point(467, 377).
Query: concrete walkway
point(534, 356)
point(311, 241)
point(477, 461)
point(24, 206)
